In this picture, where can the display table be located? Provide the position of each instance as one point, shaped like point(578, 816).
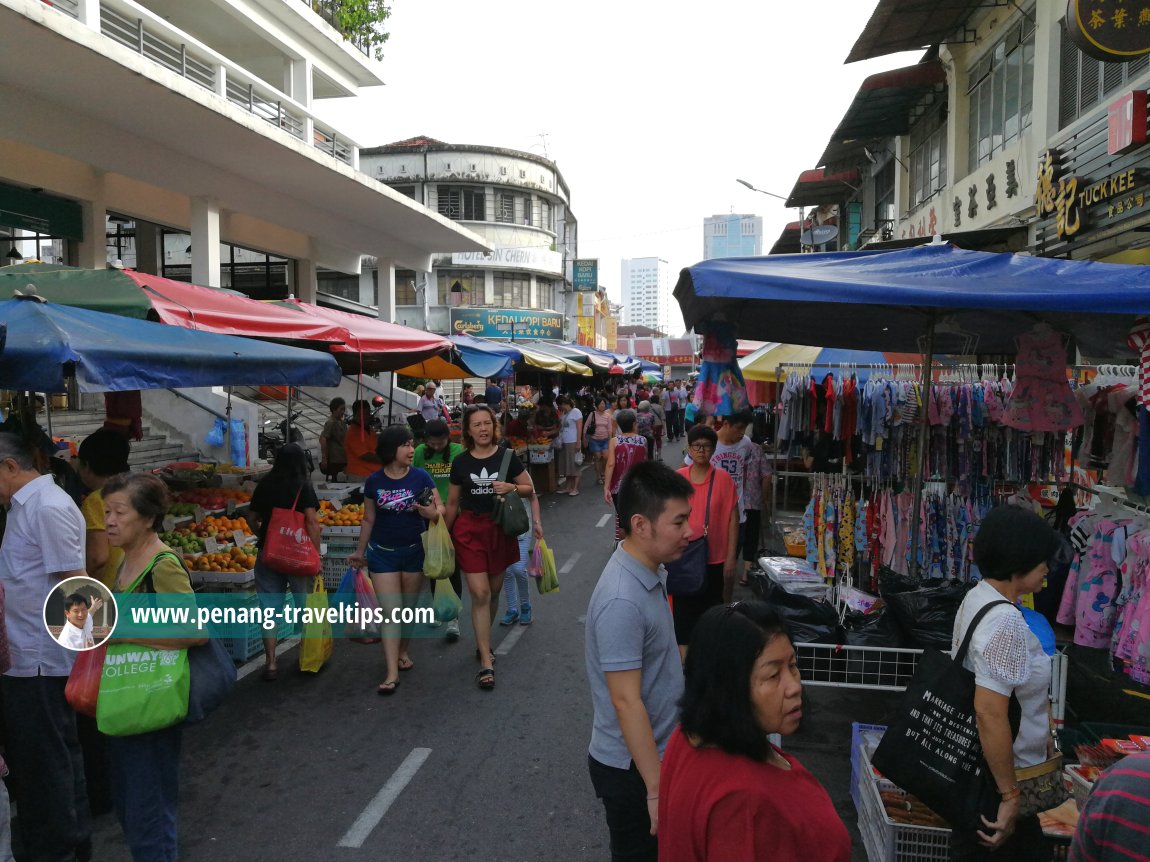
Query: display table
point(543, 475)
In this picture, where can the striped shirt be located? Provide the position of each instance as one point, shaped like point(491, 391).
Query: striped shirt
point(1139, 340)
point(1115, 821)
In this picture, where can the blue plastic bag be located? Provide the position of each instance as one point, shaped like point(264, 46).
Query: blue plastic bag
point(239, 443)
point(216, 435)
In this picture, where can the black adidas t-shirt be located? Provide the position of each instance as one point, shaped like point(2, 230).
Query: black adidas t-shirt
point(474, 476)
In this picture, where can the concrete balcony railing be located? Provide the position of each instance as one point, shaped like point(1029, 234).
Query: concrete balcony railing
point(152, 37)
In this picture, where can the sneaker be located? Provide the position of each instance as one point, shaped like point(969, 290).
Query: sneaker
point(525, 615)
point(452, 631)
point(509, 618)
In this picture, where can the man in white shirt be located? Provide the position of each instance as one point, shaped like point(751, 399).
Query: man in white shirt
point(430, 407)
point(76, 634)
point(43, 545)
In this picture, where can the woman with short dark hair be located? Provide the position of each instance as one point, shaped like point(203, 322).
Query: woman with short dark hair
point(398, 502)
point(1011, 550)
point(725, 792)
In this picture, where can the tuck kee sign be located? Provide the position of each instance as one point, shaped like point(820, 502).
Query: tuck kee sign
point(1068, 198)
point(1111, 30)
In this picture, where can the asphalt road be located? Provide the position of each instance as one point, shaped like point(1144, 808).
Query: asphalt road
point(321, 767)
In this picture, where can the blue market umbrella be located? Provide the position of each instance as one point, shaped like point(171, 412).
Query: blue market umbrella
point(47, 343)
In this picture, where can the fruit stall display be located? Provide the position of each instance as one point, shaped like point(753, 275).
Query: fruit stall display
point(210, 499)
point(236, 560)
point(517, 445)
point(539, 450)
point(340, 520)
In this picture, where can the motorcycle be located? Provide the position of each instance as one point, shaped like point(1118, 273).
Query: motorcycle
point(270, 442)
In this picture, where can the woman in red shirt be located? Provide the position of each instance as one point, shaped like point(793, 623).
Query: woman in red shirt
point(724, 791)
point(722, 529)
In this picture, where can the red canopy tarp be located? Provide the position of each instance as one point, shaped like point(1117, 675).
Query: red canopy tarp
point(205, 308)
point(374, 345)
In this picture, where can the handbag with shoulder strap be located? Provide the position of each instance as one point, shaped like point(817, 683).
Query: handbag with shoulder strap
point(687, 576)
point(509, 511)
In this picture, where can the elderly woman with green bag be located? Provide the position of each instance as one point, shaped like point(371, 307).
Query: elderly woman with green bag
point(144, 741)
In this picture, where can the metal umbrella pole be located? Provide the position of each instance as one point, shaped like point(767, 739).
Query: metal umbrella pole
point(924, 424)
point(391, 399)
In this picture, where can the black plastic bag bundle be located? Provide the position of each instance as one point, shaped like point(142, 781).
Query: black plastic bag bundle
point(878, 628)
point(926, 613)
point(809, 622)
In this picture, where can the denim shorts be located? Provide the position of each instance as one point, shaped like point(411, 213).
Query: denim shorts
point(407, 559)
point(596, 446)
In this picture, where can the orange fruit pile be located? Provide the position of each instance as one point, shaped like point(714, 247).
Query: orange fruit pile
point(235, 560)
point(351, 515)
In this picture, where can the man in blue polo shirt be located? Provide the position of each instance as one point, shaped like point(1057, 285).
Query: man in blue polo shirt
point(633, 661)
point(493, 395)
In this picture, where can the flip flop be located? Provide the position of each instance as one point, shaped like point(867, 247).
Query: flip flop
point(406, 664)
point(387, 688)
point(269, 675)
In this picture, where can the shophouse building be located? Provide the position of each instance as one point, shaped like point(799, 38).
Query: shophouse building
point(182, 139)
point(519, 204)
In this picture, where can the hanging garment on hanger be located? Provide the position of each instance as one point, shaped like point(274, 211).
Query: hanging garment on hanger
point(1042, 399)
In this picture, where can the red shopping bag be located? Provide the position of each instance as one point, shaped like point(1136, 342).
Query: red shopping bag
point(83, 686)
point(289, 549)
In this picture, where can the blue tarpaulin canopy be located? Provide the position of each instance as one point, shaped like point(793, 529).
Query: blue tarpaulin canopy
point(886, 300)
point(107, 353)
point(485, 358)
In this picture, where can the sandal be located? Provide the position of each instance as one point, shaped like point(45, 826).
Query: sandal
point(269, 674)
point(387, 688)
point(406, 664)
point(485, 679)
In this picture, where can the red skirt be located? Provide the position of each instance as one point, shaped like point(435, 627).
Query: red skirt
point(481, 546)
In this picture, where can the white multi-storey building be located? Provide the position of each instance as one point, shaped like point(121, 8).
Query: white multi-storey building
point(519, 204)
point(646, 283)
point(181, 138)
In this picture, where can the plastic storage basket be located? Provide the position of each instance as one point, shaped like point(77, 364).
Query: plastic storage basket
point(888, 841)
point(335, 563)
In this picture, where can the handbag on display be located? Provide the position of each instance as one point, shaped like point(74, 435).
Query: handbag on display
point(509, 511)
point(687, 576)
point(288, 548)
point(83, 686)
point(932, 749)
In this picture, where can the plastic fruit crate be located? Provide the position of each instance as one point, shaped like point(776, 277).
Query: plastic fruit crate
point(861, 734)
point(335, 564)
point(894, 842)
point(246, 646)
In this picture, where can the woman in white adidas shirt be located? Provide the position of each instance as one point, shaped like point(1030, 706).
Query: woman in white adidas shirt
point(482, 551)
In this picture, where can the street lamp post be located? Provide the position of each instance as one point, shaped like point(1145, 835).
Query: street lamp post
point(802, 208)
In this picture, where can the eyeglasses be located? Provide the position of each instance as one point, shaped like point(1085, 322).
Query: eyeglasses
point(701, 447)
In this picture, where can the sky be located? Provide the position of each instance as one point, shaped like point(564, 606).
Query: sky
point(651, 110)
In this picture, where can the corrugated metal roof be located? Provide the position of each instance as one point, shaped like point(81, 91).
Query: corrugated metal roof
point(906, 25)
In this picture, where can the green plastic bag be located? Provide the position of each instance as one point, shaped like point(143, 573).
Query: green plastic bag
point(142, 689)
point(446, 604)
point(438, 551)
point(315, 645)
point(549, 583)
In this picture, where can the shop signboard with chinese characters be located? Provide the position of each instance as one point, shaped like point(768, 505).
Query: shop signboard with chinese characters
point(1073, 201)
point(986, 197)
point(507, 323)
point(1116, 31)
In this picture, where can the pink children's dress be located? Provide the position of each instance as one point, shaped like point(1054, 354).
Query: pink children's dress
point(1042, 399)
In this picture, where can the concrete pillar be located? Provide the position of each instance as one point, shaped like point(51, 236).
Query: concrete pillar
point(299, 83)
point(92, 251)
point(88, 14)
point(206, 242)
point(386, 288)
point(149, 251)
point(305, 284)
point(1047, 72)
point(366, 282)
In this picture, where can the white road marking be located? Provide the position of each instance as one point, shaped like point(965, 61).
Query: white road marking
point(570, 564)
point(370, 816)
point(603, 521)
point(257, 663)
point(508, 642)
